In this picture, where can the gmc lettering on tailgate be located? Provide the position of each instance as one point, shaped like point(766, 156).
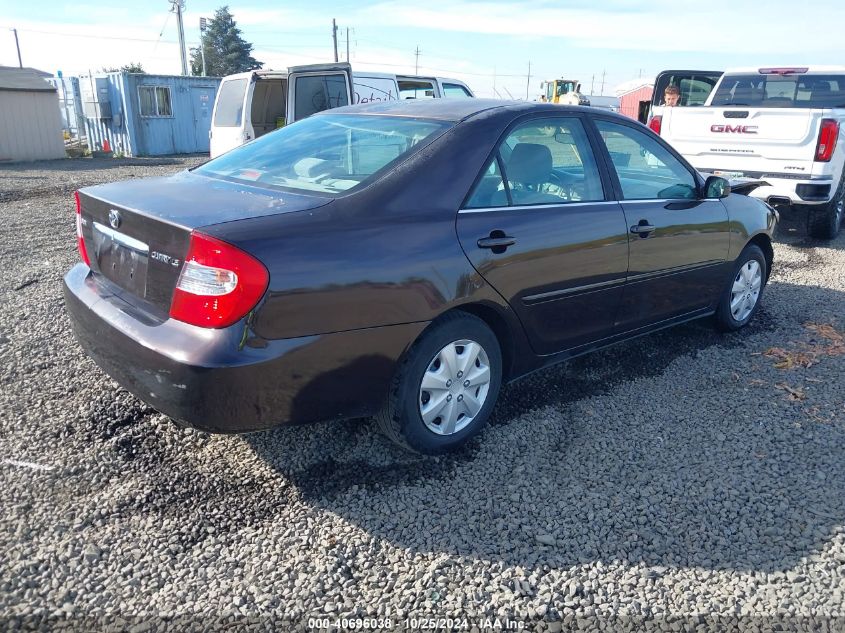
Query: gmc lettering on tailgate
point(734, 129)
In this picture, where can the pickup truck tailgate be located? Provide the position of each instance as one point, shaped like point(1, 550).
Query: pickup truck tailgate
point(777, 140)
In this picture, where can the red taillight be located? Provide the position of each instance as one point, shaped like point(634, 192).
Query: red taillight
point(219, 284)
point(80, 242)
point(655, 123)
point(828, 134)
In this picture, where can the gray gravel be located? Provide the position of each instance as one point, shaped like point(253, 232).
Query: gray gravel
point(675, 478)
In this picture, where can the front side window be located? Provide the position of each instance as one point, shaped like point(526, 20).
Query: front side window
point(155, 101)
point(230, 103)
point(455, 90)
point(315, 93)
point(550, 161)
point(328, 154)
point(646, 169)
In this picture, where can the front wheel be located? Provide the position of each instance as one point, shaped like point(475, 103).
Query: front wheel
point(742, 295)
point(446, 387)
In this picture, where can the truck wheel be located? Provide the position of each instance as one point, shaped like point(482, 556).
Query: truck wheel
point(742, 294)
point(826, 220)
point(446, 387)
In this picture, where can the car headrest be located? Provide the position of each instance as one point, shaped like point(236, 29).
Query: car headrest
point(530, 163)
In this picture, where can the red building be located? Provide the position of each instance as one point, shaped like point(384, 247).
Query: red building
point(634, 103)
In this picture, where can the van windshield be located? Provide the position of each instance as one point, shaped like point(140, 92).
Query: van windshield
point(781, 91)
point(326, 154)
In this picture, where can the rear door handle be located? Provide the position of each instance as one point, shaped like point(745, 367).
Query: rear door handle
point(642, 229)
point(496, 242)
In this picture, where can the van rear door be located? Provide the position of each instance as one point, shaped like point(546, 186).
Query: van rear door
point(229, 118)
point(317, 87)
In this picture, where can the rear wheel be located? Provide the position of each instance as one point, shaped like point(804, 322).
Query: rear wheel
point(742, 295)
point(445, 390)
point(826, 220)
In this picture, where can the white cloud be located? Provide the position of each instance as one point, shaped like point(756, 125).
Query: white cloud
point(775, 27)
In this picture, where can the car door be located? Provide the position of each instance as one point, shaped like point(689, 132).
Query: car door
point(540, 228)
point(317, 87)
point(678, 240)
point(229, 118)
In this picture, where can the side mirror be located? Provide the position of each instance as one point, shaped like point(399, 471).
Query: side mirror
point(716, 187)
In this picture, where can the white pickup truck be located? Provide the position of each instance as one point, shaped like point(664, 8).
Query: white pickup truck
point(781, 125)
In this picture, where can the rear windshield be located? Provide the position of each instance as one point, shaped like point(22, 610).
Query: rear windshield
point(776, 91)
point(326, 154)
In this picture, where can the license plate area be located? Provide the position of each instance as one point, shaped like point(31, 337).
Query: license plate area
point(121, 259)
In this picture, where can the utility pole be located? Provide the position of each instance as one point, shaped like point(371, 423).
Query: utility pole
point(528, 82)
point(203, 25)
point(334, 37)
point(347, 44)
point(603, 73)
point(18, 46)
point(593, 84)
point(417, 64)
point(177, 7)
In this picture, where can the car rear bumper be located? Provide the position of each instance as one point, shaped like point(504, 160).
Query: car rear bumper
point(229, 380)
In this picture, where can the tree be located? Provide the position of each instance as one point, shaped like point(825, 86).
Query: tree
point(226, 52)
point(131, 67)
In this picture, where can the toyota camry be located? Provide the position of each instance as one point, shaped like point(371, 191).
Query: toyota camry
point(402, 261)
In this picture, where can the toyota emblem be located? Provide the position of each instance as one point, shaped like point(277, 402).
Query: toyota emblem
point(114, 218)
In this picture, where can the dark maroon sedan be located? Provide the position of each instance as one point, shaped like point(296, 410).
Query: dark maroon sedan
point(402, 260)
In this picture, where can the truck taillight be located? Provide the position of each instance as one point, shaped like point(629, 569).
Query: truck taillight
point(219, 284)
point(828, 134)
point(80, 241)
point(655, 123)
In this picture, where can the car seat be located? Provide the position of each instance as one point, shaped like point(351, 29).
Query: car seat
point(528, 169)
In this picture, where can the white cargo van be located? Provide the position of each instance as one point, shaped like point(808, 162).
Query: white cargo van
point(273, 98)
point(251, 104)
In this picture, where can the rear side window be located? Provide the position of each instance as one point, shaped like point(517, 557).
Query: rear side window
point(646, 169)
point(550, 161)
point(781, 91)
point(315, 93)
point(545, 161)
point(230, 103)
point(490, 190)
point(419, 89)
point(455, 90)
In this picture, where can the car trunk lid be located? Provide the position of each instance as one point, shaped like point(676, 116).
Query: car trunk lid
point(137, 233)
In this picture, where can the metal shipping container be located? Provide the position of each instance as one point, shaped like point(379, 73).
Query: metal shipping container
point(148, 115)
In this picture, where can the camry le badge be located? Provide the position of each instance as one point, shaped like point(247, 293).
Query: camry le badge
point(114, 218)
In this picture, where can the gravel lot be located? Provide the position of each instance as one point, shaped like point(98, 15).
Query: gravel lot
point(684, 474)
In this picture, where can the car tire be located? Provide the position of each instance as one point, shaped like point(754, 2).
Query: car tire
point(824, 221)
point(438, 371)
point(744, 290)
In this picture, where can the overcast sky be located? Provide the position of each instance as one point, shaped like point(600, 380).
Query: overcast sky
point(488, 44)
